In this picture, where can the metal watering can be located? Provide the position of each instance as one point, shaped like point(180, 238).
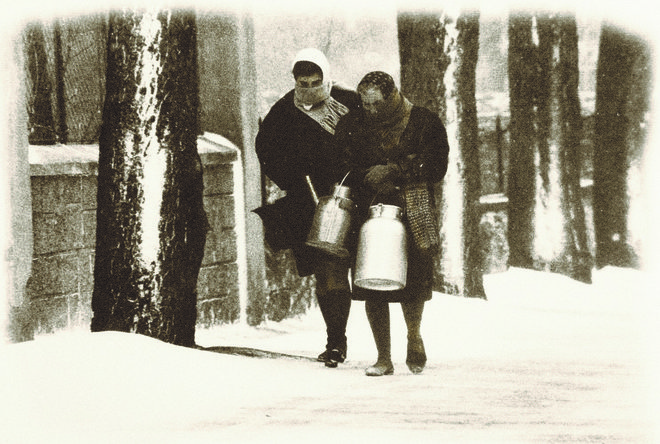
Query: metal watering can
point(382, 259)
point(332, 222)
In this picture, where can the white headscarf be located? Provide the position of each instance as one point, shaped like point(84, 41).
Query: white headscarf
point(316, 57)
point(308, 97)
point(331, 110)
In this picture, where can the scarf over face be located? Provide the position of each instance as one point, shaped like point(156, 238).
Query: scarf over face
point(387, 125)
point(316, 102)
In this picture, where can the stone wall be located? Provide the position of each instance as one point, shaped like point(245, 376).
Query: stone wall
point(64, 184)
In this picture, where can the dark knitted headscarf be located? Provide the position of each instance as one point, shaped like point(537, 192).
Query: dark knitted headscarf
point(380, 80)
point(391, 120)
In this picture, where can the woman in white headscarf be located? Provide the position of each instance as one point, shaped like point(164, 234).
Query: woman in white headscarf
point(295, 140)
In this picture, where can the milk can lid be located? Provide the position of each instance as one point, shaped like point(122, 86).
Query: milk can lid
point(383, 210)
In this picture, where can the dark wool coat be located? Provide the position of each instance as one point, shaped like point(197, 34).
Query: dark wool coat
point(291, 145)
point(422, 155)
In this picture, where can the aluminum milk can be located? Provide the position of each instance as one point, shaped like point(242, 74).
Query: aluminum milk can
point(382, 260)
point(332, 222)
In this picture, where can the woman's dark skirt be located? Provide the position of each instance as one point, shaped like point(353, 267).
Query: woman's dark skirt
point(419, 282)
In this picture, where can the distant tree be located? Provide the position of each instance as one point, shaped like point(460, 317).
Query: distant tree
point(151, 224)
point(438, 54)
point(624, 76)
point(548, 231)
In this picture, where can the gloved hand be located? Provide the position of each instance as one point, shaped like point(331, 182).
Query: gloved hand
point(380, 177)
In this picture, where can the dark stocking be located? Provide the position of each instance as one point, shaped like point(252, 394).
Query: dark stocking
point(416, 354)
point(378, 314)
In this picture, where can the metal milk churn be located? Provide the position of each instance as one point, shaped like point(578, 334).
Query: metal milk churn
point(382, 261)
point(332, 222)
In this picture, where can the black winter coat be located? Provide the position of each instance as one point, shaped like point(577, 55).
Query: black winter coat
point(422, 156)
point(291, 145)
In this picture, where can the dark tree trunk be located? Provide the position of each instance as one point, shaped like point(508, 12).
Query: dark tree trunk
point(151, 224)
point(422, 59)
point(468, 142)
point(622, 107)
point(62, 128)
point(522, 82)
point(41, 122)
point(438, 70)
point(575, 227)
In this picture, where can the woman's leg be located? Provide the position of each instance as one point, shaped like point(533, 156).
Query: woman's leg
point(334, 297)
point(416, 354)
point(378, 314)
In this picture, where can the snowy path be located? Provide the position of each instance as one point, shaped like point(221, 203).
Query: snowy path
point(546, 359)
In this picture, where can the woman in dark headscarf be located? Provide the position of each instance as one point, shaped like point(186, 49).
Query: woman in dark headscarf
point(396, 151)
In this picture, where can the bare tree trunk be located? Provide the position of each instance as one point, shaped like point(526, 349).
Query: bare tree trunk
point(438, 70)
point(41, 121)
point(151, 224)
point(522, 81)
point(467, 52)
point(547, 229)
point(624, 75)
point(60, 98)
point(578, 254)
point(422, 57)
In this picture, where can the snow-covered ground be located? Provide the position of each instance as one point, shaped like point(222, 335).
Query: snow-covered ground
point(545, 359)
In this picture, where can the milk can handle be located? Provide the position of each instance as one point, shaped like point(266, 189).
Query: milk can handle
point(342, 182)
point(376, 195)
point(312, 190)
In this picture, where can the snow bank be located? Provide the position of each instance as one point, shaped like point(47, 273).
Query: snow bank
point(545, 359)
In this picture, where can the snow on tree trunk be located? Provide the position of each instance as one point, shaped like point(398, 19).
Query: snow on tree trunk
point(560, 237)
point(16, 236)
point(624, 75)
point(547, 227)
point(151, 224)
point(438, 71)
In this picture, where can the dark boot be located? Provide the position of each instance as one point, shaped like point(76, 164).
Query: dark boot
point(333, 293)
point(378, 314)
point(335, 307)
point(416, 354)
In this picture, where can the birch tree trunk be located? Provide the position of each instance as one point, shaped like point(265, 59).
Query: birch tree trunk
point(438, 70)
point(623, 91)
point(547, 132)
point(151, 224)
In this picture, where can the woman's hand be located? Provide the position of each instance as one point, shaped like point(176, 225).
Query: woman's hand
point(380, 177)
